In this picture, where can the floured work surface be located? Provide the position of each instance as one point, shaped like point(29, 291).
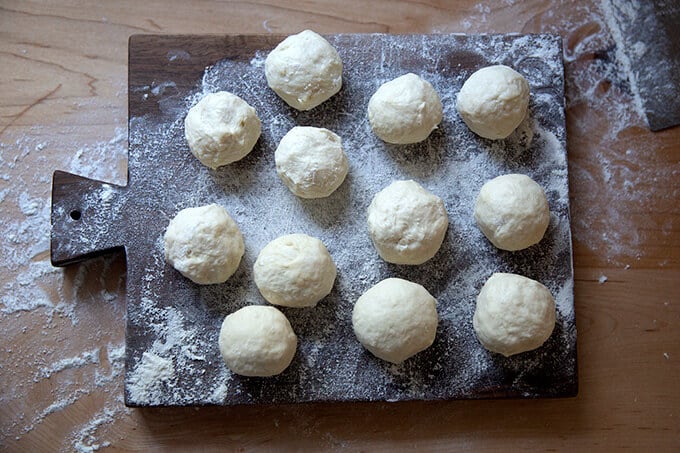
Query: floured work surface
point(173, 324)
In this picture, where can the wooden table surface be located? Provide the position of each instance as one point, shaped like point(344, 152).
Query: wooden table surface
point(63, 105)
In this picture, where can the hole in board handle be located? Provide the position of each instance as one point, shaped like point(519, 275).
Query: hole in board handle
point(75, 214)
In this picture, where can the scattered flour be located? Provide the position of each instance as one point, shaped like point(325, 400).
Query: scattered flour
point(150, 377)
point(45, 304)
point(86, 358)
point(84, 440)
point(103, 161)
point(618, 167)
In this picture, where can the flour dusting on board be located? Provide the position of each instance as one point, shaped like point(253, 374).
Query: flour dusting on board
point(177, 361)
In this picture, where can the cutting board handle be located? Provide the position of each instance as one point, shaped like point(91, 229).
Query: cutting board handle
point(86, 218)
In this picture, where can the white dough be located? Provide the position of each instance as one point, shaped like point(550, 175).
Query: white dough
point(204, 244)
point(221, 128)
point(295, 270)
point(304, 70)
point(311, 162)
point(405, 110)
point(407, 223)
point(494, 101)
point(395, 319)
point(512, 212)
point(257, 341)
point(514, 314)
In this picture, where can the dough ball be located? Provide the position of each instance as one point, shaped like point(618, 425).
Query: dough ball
point(493, 101)
point(407, 223)
point(257, 341)
point(204, 244)
point(304, 70)
point(311, 162)
point(512, 212)
point(514, 314)
point(404, 110)
point(395, 319)
point(221, 128)
point(295, 270)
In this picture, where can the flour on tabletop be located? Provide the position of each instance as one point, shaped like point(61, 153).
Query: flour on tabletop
point(52, 303)
point(84, 440)
point(97, 161)
point(600, 78)
point(88, 357)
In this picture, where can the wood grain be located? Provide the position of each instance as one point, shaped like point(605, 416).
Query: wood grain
point(63, 86)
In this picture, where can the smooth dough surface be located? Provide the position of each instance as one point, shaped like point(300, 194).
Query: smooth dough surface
point(311, 161)
point(204, 244)
point(493, 101)
point(257, 341)
point(514, 314)
point(407, 223)
point(304, 70)
point(294, 270)
point(395, 319)
point(512, 211)
point(221, 128)
point(405, 110)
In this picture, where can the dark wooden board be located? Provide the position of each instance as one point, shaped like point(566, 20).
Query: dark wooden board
point(172, 324)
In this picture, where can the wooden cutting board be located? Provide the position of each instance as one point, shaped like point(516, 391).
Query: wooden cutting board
point(172, 324)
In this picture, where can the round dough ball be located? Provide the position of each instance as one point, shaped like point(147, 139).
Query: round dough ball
point(295, 270)
point(221, 128)
point(257, 341)
point(407, 223)
point(405, 110)
point(204, 244)
point(494, 101)
point(395, 319)
point(514, 314)
point(512, 212)
point(304, 70)
point(311, 162)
